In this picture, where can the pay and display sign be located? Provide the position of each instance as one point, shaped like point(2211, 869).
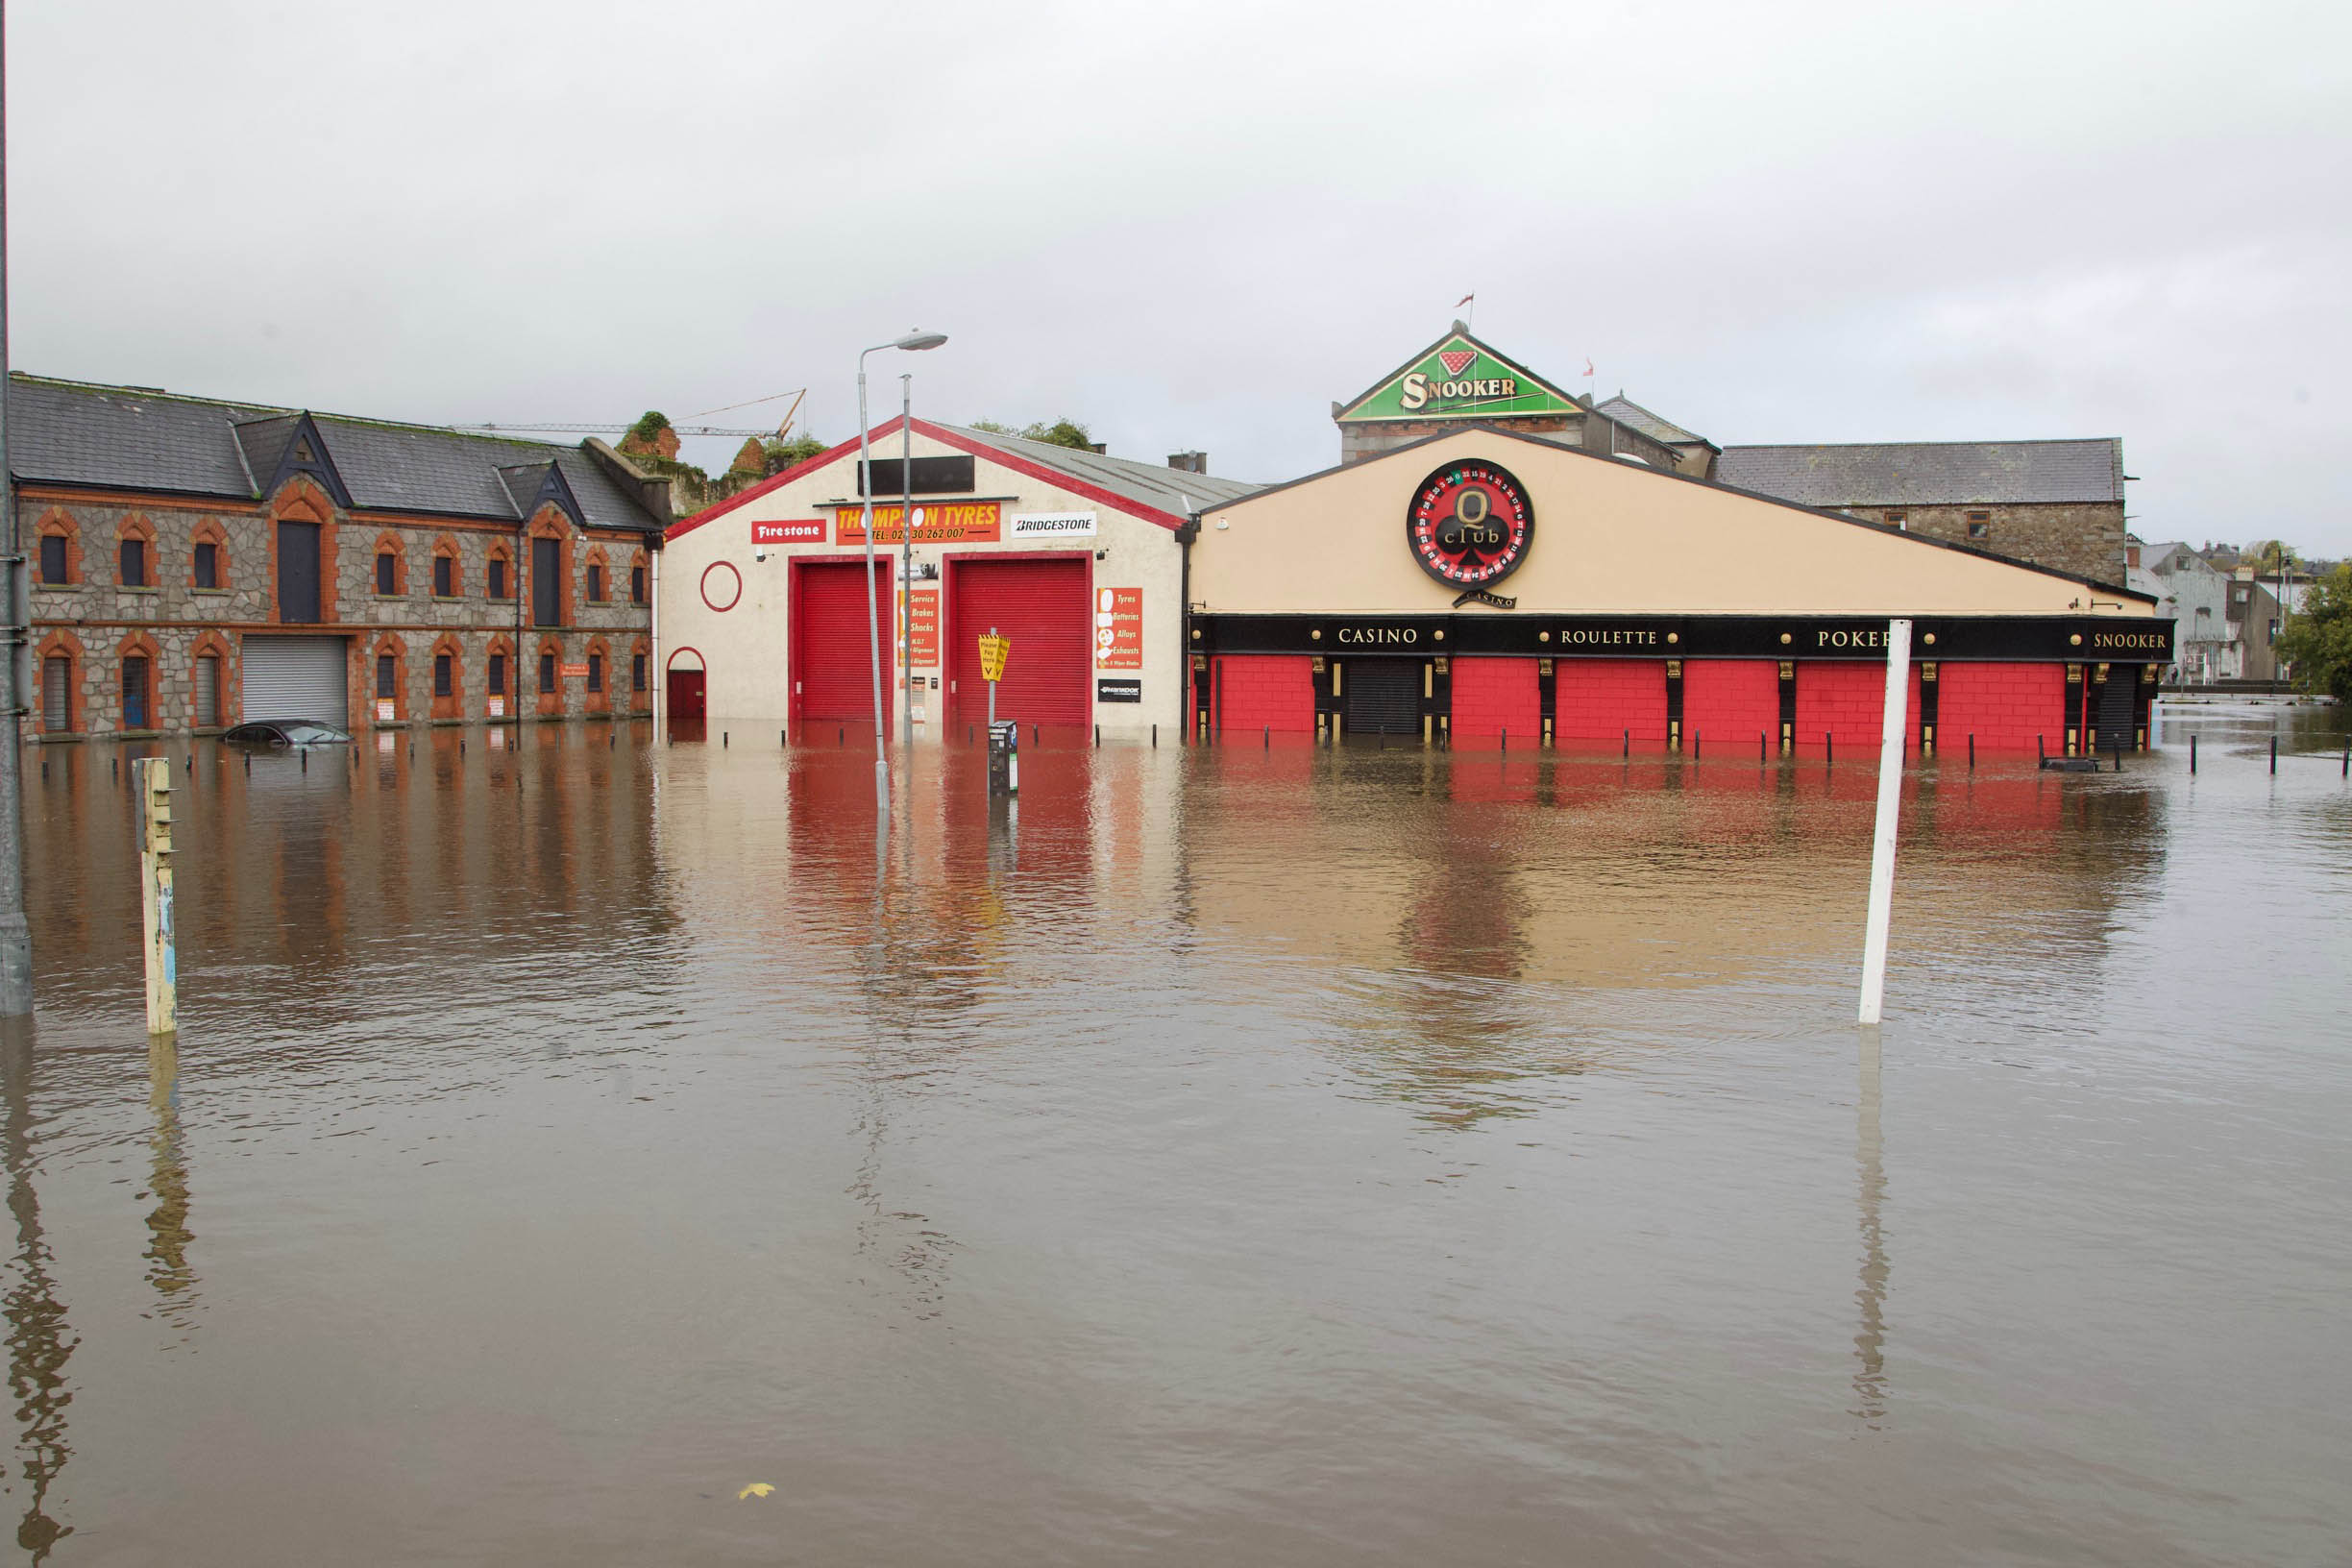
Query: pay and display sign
point(993, 651)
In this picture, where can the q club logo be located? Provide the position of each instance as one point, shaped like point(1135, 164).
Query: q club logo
point(1470, 524)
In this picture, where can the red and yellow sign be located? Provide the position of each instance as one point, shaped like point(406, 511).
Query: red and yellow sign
point(1118, 628)
point(921, 624)
point(935, 523)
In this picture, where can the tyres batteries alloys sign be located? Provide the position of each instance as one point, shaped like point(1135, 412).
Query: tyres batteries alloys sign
point(1470, 524)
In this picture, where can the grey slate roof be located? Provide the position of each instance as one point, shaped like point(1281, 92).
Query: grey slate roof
point(74, 432)
point(1929, 473)
point(1153, 484)
point(1625, 411)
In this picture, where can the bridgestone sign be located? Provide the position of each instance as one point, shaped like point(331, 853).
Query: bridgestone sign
point(1053, 525)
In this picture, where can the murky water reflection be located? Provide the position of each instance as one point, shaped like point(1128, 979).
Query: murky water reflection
point(1246, 1155)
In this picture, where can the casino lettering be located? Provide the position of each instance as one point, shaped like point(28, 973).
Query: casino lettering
point(1379, 634)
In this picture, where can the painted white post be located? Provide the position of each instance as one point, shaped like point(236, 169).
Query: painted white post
point(154, 775)
point(1897, 718)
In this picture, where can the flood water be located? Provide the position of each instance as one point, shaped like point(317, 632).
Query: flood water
point(1232, 1156)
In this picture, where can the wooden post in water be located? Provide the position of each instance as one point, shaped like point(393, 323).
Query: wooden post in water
point(1890, 810)
point(155, 923)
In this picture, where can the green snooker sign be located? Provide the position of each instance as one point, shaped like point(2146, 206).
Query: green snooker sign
point(1459, 378)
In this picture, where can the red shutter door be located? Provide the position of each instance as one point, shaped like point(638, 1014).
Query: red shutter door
point(1041, 606)
point(833, 672)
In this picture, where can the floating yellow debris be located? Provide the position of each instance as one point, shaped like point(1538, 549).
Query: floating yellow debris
point(758, 1488)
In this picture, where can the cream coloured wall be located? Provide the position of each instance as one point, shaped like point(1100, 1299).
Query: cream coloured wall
point(745, 650)
point(1611, 538)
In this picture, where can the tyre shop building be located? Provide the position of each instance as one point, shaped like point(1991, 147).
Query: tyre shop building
point(1077, 557)
point(1456, 580)
point(198, 564)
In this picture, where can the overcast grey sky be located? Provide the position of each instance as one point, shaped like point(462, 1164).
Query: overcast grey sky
point(1196, 226)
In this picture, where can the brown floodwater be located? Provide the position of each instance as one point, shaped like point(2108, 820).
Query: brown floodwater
point(1246, 1155)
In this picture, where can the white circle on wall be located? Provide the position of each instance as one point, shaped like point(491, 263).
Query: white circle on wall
point(722, 585)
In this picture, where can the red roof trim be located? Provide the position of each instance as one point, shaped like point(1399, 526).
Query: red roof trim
point(946, 437)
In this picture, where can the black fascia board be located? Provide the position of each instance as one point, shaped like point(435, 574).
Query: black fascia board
point(1482, 427)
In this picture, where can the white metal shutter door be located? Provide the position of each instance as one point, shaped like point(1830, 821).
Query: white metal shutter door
point(296, 678)
point(56, 695)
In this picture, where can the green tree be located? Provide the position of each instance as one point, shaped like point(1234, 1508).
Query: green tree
point(2268, 556)
point(1062, 432)
point(650, 424)
point(784, 455)
point(2318, 641)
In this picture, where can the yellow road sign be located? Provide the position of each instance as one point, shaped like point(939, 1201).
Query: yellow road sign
point(993, 651)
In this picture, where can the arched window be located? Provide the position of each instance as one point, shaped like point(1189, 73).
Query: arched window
point(59, 656)
point(135, 683)
point(209, 683)
point(551, 676)
point(59, 562)
point(597, 693)
point(499, 572)
point(641, 674)
point(391, 567)
point(639, 585)
point(388, 681)
point(497, 680)
point(208, 557)
point(446, 580)
point(135, 555)
point(593, 579)
point(448, 679)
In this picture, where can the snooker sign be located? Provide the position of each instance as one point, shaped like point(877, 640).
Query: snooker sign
point(1459, 378)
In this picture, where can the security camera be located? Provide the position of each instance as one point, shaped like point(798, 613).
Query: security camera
point(759, 554)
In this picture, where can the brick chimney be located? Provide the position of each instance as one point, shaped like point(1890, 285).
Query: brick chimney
point(1190, 463)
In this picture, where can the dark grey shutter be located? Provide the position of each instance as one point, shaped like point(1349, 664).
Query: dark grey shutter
point(1383, 697)
point(547, 582)
point(208, 691)
point(298, 573)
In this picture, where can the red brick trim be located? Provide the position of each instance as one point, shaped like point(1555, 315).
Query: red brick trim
point(599, 657)
point(393, 644)
point(208, 530)
point(231, 693)
point(138, 644)
point(57, 521)
point(137, 526)
point(299, 501)
point(549, 703)
point(445, 546)
point(59, 644)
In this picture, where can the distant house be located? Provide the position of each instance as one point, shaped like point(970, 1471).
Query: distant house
point(198, 563)
point(2188, 587)
point(2056, 503)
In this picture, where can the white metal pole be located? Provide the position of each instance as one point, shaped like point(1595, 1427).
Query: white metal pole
point(156, 916)
point(1890, 809)
point(874, 634)
point(906, 555)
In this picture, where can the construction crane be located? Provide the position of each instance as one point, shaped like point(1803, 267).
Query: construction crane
point(592, 427)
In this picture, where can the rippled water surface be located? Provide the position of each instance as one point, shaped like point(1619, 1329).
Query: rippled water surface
point(1235, 1156)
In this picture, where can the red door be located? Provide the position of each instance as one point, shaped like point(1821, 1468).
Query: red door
point(1040, 606)
point(832, 655)
point(686, 704)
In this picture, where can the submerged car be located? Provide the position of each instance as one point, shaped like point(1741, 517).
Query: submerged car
point(282, 734)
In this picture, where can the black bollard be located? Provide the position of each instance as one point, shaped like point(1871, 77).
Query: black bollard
point(114, 767)
point(1628, 744)
point(1506, 739)
point(1828, 747)
point(783, 738)
point(1269, 738)
point(306, 759)
point(1033, 735)
point(1759, 745)
point(2274, 753)
point(2040, 750)
point(1155, 736)
point(249, 763)
point(461, 745)
point(722, 740)
point(2193, 753)
point(2348, 760)
point(1694, 746)
point(841, 735)
point(1098, 735)
point(1971, 750)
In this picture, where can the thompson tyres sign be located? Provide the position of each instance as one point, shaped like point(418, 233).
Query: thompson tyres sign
point(935, 523)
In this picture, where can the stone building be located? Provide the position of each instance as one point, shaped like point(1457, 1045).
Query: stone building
point(198, 563)
point(2056, 503)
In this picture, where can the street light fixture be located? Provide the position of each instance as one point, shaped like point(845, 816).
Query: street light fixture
point(913, 342)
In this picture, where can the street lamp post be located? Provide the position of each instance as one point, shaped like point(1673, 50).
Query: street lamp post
point(906, 556)
point(913, 342)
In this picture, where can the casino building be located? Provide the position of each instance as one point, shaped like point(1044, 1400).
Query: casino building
point(1496, 562)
